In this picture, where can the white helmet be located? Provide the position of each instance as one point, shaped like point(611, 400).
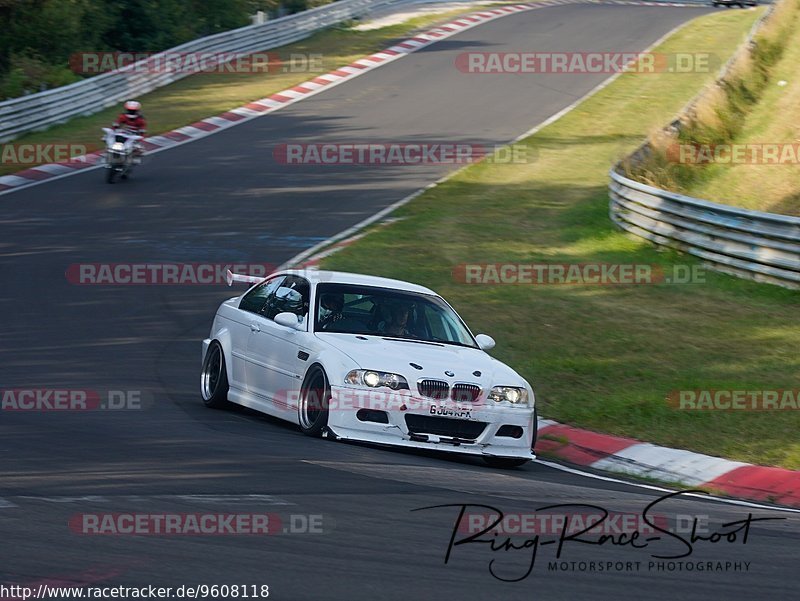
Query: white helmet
point(133, 107)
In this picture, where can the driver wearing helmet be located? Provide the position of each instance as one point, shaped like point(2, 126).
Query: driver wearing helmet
point(331, 306)
point(398, 322)
point(133, 121)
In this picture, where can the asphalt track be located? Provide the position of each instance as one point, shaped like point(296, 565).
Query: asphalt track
point(224, 198)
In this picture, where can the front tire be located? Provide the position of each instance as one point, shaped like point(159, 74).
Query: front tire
point(312, 410)
point(214, 378)
point(110, 173)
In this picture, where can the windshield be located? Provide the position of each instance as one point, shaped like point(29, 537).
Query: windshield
point(355, 309)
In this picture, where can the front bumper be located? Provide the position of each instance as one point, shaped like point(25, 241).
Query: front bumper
point(344, 421)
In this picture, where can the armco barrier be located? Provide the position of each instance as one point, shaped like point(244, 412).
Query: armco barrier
point(761, 246)
point(39, 111)
point(750, 244)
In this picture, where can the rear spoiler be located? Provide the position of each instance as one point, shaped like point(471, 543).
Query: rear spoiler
point(231, 277)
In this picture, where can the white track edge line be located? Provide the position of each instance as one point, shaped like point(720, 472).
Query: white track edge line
point(550, 120)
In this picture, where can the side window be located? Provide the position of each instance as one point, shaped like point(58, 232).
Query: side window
point(256, 300)
point(292, 296)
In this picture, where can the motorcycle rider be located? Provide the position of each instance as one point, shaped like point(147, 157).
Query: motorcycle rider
point(133, 121)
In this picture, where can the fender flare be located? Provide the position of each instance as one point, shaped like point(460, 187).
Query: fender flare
point(223, 337)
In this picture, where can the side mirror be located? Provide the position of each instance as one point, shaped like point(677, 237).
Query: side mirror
point(289, 320)
point(485, 342)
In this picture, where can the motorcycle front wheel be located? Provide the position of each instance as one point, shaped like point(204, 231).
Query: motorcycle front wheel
point(110, 174)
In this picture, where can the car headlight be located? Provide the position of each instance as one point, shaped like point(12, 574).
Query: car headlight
point(376, 379)
point(512, 394)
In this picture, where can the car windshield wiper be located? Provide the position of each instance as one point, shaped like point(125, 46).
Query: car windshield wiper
point(416, 340)
point(454, 343)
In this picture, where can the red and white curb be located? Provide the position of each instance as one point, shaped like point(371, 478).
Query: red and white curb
point(270, 104)
point(634, 458)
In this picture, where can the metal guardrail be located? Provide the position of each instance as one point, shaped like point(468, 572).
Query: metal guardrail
point(39, 111)
point(755, 245)
point(751, 244)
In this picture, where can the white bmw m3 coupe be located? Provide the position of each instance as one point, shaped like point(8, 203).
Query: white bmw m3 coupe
point(365, 358)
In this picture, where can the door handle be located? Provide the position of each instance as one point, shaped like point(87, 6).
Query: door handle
point(254, 327)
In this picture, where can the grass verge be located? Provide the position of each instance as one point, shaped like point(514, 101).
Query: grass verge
point(749, 107)
point(774, 119)
point(603, 357)
point(204, 95)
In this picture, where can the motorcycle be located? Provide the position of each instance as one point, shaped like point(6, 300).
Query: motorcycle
point(120, 156)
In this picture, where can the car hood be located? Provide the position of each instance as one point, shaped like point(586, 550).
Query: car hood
point(396, 356)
